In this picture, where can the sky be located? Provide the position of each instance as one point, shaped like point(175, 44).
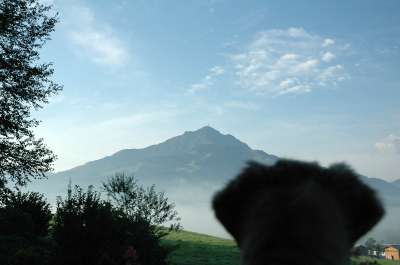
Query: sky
point(312, 80)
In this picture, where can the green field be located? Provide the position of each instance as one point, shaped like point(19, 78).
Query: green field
point(199, 249)
point(379, 261)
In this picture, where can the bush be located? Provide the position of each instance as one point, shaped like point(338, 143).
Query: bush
point(30, 210)
point(142, 203)
point(86, 230)
point(89, 230)
point(24, 223)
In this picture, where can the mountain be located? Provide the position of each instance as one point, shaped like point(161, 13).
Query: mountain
point(389, 191)
point(190, 168)
point(388, 229)
point(202, 156)
point(396, 183)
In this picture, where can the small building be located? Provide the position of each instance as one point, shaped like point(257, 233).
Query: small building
point(377, 254)
point(392, 252)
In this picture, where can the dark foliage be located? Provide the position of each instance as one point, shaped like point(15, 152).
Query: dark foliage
point(142, 203)
point(89, 231)
point(316, 213)
point(31, 207)
point(24, 250)
point(84, 229)
point(24, 223)
point(372, 244)
point(25, 85)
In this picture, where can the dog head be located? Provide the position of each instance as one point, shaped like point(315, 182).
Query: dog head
point(297, 213)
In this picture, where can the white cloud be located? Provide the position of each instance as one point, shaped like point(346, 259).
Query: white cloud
point(298, 32)
point(306, 66)
point(287, 61)
point(289, 56)
point(216, 70)
point(99, 42)
point(208, 80)
point(390, 144)
point(328, 56)
point(328, 42)
point(103, 48)
point(331, 74)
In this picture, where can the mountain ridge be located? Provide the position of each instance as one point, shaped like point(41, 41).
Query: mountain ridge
point(189, 167)
point(396, 182)
point(197, 145)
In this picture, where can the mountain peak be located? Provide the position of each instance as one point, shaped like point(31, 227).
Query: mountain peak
point(210, 135)
point(205, 136)
point(207, 130)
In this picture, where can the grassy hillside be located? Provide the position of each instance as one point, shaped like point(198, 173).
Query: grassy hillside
point(199, 249)
point(379, 261)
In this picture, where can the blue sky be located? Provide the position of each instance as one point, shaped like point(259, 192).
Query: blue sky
point(314, 80)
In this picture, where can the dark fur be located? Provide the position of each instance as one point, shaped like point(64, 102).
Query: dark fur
point(297, 213)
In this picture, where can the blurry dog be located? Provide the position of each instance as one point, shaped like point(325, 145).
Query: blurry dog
point(297, 213)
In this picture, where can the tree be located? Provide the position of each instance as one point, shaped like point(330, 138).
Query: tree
point(84, 228)
point(32, 204)
point(371, 243)
point(24, 226)
point(25, 85)
point(89, 230)
point(142, 203)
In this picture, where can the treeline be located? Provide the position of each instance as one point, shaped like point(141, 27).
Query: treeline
point(122, 224)
point(371, 248)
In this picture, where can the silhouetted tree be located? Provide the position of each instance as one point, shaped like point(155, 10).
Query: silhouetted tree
point(90, 231)
point(84, 229)
point(31, 204)
point(25, 85)
point(371, 243)
point(24, 224)
point(142, 203)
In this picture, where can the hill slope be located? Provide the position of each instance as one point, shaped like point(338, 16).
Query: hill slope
point(200, 249)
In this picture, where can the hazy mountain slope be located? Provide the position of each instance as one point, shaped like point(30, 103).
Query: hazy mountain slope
point(389, 228)
point(387, 190)
point(190, 168)
point(202, 156)
point(396, 183)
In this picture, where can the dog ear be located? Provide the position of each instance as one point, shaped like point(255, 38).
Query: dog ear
point(360, 204)
point(226, 210)
point(230, 204)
